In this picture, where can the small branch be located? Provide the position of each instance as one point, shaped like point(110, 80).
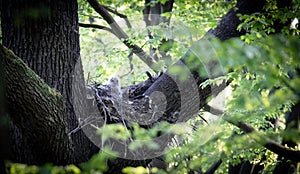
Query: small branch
point(212, 110)
point(114, 11)
point(96, 27)
point(130, 56)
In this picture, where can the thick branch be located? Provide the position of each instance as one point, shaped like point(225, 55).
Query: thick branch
point(167, 7)
point(152, 14)
point(36, 109)
point(227, 28)
point(266, 142)
point(277, 148)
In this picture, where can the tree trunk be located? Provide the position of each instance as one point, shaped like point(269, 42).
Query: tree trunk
point(3, 122)
point(45, 35)
point(36, 111)
point(152, 13)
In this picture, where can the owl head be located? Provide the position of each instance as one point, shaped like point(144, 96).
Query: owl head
point(114, 81)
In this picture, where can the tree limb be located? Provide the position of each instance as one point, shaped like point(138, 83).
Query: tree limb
point(267, 143)
point(277, 148)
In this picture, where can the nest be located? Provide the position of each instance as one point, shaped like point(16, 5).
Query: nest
point(128, 104)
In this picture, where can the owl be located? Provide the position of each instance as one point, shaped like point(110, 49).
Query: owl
point(114, 85)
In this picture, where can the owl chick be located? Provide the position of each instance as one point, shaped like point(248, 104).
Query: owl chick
point(114, 85)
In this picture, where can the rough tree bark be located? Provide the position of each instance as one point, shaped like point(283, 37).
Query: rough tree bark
point(3, 121)
point(45, 35)
point(40, 133)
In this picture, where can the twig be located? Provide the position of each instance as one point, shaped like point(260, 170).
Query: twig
point(96, 26)
point(114, 11)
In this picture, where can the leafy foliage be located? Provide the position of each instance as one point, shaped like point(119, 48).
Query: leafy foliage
point(260, 25)
point(262, 93)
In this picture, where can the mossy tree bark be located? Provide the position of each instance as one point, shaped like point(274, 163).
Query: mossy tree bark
point(45, 35)
point(37, 111)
